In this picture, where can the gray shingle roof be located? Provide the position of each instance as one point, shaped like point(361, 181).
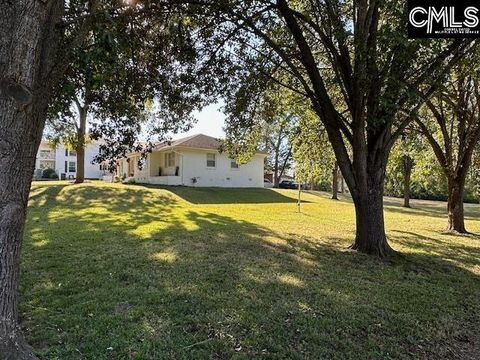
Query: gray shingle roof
point(198, 141)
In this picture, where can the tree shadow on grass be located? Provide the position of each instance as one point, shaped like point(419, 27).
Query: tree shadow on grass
point(150, 281)
point(443, 248)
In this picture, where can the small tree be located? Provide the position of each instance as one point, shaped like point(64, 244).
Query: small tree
point(402, 161)
point(275, 125)
point(277, 137)
point(313, 155)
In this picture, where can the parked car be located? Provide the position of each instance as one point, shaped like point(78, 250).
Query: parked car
point(267, 183)
point(289, 184)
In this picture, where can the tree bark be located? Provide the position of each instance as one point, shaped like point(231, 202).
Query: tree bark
point(80, 148)
point(370, 229)
point(335, 182)
point(367, 196)
point(456, 220)
point(28, 44)
point(407, 173)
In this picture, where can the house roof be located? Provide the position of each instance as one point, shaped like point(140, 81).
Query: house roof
point(198, 141)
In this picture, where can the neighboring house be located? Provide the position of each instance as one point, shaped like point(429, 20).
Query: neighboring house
point(192, 161)
point(64, 161)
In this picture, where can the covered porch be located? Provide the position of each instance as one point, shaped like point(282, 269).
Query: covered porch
point(159, 168)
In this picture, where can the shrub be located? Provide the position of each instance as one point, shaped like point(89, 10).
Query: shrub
point(48, 173)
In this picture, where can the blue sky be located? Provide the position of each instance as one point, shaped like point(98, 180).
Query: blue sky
point(210, 122)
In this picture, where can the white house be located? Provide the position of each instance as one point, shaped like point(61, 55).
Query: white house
point(64, 161)
point(192, 161)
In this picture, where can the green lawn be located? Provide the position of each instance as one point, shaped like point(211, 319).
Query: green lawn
point(114, 271)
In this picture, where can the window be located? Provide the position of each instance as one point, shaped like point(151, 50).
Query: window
point(210, 160)
point(233, 164)
point(72, 166)
point(70, 152)
point(170, 159)
point(66, 166)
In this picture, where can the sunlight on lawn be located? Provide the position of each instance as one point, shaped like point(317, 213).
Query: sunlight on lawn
point(165, 256)
point(161, 273)
point(291, 280)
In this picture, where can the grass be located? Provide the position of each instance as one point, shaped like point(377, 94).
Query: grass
point(114, 271)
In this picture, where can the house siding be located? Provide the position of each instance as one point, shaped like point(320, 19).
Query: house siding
point(222, 175)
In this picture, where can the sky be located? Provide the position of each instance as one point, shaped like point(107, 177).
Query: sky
point(210, 122)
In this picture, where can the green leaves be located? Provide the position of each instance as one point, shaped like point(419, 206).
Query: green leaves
point(133, 65)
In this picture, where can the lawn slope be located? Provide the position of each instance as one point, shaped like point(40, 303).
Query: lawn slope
point(114, 271)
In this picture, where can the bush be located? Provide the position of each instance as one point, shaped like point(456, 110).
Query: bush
point(49, 174)
point(117, 179)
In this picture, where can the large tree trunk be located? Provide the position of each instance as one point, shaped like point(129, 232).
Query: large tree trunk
point(80, 149)
point(367, 196)
point(27, 50)
point(80, 174)
point(407, 174)
point(370, 229)
point(335, 182)
point(456, 221)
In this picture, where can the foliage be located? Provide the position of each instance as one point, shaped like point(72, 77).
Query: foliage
point(450, 121)
point(351, 62)
point(428, 179)
point(130, 73)
point(125, 271)
point(314, 158)
point(257, 45)
point(49, 174)
point(413, 147)
point(273, 125)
